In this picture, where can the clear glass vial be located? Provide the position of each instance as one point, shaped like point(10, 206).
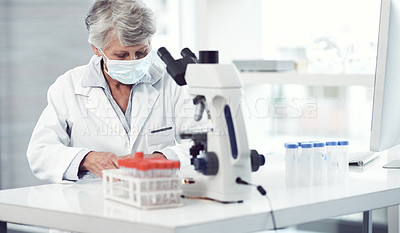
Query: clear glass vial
point(291, 158)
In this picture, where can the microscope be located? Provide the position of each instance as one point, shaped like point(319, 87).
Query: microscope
point(220, 153)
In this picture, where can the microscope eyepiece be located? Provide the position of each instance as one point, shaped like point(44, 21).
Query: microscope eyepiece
point(165, 56)
point(187, 52)
point(177, 68)
point(161, 51)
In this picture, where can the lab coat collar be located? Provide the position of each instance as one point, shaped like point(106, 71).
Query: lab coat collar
point(93, 75)
point(156, 72)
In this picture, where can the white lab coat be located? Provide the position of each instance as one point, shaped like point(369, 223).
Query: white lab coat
point(81, 119)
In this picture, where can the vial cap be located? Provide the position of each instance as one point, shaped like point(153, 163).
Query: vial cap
point(306, 145)
point(139, 155)
point(343, 143)
point(331, 143)
point(162, 164)
point(319, 144)
point(143, 166)
point(152, 165)
point(177, 164)
point(128, 163)
point(170, 164)
point(291, 145)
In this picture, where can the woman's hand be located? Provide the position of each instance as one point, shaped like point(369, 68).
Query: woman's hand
point(155, 155)
point(146, 156)
point(96, 162)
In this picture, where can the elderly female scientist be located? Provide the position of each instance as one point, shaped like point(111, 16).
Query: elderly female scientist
point(119, 103)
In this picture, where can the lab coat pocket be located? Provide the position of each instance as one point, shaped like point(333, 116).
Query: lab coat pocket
point(161, 137)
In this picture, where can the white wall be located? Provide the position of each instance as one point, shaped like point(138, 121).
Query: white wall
point(234, 27)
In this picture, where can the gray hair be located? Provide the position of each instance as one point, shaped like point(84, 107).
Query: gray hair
point(131, 20)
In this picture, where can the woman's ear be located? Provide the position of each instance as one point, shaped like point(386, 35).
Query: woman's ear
point(96, 51)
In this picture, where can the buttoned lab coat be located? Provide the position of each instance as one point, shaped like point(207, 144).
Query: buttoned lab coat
point(79, 119)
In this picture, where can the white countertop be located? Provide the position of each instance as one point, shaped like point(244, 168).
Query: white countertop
point(81, 206)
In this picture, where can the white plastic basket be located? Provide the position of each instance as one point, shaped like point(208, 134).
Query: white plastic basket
point(145, 193)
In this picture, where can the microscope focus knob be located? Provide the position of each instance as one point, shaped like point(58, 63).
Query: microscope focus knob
point(208, 165)
point(257, 160)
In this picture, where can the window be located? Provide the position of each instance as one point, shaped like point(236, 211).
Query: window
point(335, 36)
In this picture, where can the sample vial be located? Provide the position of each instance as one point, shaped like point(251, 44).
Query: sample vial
point(143, 170)
point(176, 167)
point(332, 159)
point(319, 164)
point(127, 166)
point(306, 164)
point(291, 157)
point(162, 168)
point(343, 161)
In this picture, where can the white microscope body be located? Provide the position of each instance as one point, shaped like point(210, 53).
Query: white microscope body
point(222, 89)
point(221, 153)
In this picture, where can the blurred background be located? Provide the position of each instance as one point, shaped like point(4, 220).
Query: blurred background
point(326, 40)
point(331, 39)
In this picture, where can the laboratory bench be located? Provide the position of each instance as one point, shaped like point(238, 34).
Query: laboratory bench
point(81, 206)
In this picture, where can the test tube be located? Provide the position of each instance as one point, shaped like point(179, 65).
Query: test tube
point(291, 156)
point(306, 164)
point(343, 161)
point(177, 165)
point(127, 166)
point(143, 169)
point(331, 156)
point(319, 164)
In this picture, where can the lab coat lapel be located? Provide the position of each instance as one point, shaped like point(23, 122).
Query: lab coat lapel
point(144, 99)
point(99, 105)
point(91, 86)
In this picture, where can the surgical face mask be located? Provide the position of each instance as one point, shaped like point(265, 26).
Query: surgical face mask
point(128, 71)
